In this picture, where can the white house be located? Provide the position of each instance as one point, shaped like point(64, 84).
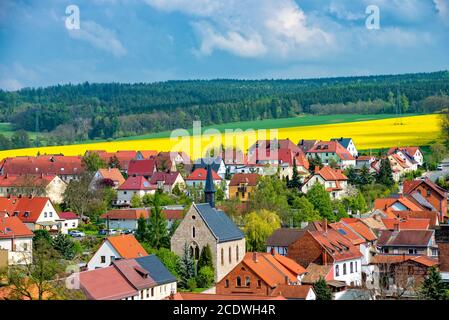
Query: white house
point(111, 177)
point(348, 144)
point(127, 219)
point(217, 164)
point(134, 185)
point(35, 212)
point(333, 180)
point(16, 242)
point(414, 154)
point(329, 151)
point(197, 179)
point(68, 221)
point(166, 181)
point(116, 247)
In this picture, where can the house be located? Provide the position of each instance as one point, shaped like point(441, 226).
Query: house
point(234, 160)
point(142, 168)
point(210, 296)
point(197, 178)
point(306, 145)
point(146, 154)
point(333, 180)
point(217, 163)
point(431, 216)
point(43, 185)
point(16, 242)
point(134, 185)
point(242, 185)
point(329, 247)
point(204, 225)
point(400, 166)
point(35, 212)
point(400, 275)
point(127, 218)
point(442, 240)
point(348, 144)
point(123, 157)
point(282, 238)
point(144, 278)
point(167, 161)
point(364, 161)
point(406, 224)
point(111, 177)
point(261, 150)
point(328, 151)
point(114, 248)
point(261, 274)
point(407, 242)
point(429, 195)
point(413, 154)
point(68, 220)
point(397, 203)
point(65, 167)
point(166, 181)
point(302, 292)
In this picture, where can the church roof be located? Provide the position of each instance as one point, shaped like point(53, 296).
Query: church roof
point(219, 223)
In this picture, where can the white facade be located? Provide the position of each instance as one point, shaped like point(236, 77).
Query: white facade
point(104, 256)
point(19, 250)
point(335, 194)
point(66, 225)
point(348, 271)
point(279, 250)
point(47, 216)
point(123, 224)
point(155, 293)
point(201, 183)
point(124, 196)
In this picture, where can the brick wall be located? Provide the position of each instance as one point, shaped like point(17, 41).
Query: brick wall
point(306, 250)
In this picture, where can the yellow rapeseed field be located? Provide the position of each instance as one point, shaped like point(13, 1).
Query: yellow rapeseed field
point(374, 134)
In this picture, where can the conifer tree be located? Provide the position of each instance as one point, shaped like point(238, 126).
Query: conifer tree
point(186, 268)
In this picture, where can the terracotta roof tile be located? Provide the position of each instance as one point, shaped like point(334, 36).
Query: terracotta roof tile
point(292, 292)
point(201, 173)
point(142, 167)
point(251, 179)
point(127, 246)
point(12, 227)
point(137, 183)
point(112, 173)
point(27, 209)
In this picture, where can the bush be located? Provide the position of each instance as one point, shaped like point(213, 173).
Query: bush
point(191, 284)
point(88, 227)
point(205, 277)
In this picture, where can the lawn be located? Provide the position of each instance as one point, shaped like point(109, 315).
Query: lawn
point(385, 132)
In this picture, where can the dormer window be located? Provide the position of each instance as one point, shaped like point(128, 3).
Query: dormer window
point(26, 214)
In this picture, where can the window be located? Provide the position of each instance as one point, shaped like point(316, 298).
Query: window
point(45, 214)
point(197, 253)
point(356, 266)
point(152, 292)
point(337, 270)
point(412, 251)
point(193, 217)
point(239, 282)
point(148, 292)
point(247, 281)
point(237, 254)
point(259, 283)
point(344, 268)
point(227, 283)
point(428, 192)
point(193, 232)
point(222, 256)
point(230, 255)
point(112, 258)
point(141, 295)
point(103, 259)
point(351, 267)
point(50, 214)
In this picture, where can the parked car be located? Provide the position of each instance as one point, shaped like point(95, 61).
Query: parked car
point(112, 231)
point(76, 234)
point(103, 232)
point(440, 167)
point(128, 231)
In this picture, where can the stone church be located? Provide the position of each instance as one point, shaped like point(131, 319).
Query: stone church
point(204, 224)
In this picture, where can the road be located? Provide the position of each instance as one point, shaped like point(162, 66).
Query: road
point(434, 175)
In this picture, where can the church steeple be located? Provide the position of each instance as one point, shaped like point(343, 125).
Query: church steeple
point(209, 190)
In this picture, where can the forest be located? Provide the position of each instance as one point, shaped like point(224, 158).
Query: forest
point(80, 112)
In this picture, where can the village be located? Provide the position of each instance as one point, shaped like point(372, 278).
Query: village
point(286, 220)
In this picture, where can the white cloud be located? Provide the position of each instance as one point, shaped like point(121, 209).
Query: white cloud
point(10, 84)
point(99, 37)
point(252, 28)
point(442, 7)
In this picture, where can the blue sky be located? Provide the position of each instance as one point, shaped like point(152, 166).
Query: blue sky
point(157, 40)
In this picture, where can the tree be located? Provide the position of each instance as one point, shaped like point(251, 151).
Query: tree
point(157, 227)
point(365, 177)
point(142, 229)
point(340, 211)
point(304, 211)
point(92, 162)
point(20, 139)
point(385, 175)
point(315, 162)
point(114, 162)
point(295, 182)
point(5, 143)
point(258, 226)
point(322, 291)
point(136, 201)
point(64, 245)
point(433, 287)
point(186, 268)
point(321, 201)
point(169, 259)
point(41, 236)
point(438, 153)
point(205, 259)
point(205, 277)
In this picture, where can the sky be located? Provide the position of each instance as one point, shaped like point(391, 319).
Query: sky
point(158, 40)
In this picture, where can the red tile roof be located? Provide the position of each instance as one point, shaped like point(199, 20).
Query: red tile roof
point(347, 232)
point(394, 259)
point(168, 178)
point(68, 215)
point(21, 181)
point(106, 284)
point(208, 296)
point(362, 229)
point(332, 147)
point(137, 183)
point(251, 179)
point(233, 156)
point(13, 227)
point(112, 173)
point(127, 214)
point(410, 150)
point(408, 224)
point(431, 215)
point(386, 203)
point(28, 209)
point(410, 186)
point(142, 167)
point(419, 238)
point(127, 246)
point(336, 245)
point(46, 164)
point(147, 154)
point(201, 173)
point(292, 292)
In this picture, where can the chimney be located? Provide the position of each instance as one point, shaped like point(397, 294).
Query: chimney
point(396, 226)
point(324, 225)
point(287, 282)
point(317, 169)
point(255, 257)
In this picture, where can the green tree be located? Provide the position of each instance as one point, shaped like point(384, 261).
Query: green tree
point(438, 153)
point(5, 143)
point(295, 182)
point(186, 268)
point(20, 139)
point(365, 176)
point(321, 201)
point(433, 287)
point(258, 226)
point(157, 226)
point(205, 277)
point(322, 291)
point(65, 246)
point(303, 211)
point(41, 236)
point(142, 229)
point(92, 162)
point(340, 211)
point(385, 174)
point(136, 201)
point(114, 162)
point(169, 259)
point(315, 162)
point(205, 259)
